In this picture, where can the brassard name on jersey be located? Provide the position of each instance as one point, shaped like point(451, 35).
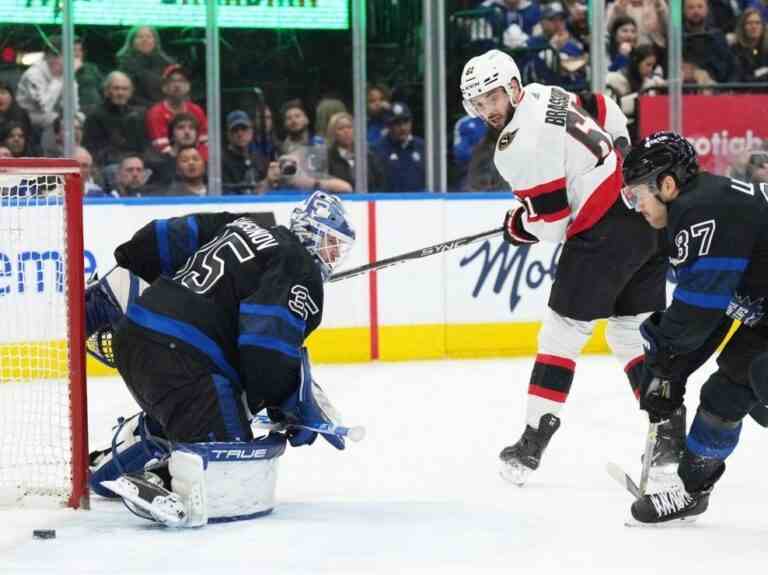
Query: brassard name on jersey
point(557, 108)
point(258, 236)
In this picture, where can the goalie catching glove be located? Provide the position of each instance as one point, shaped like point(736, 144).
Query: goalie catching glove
point(514, 232)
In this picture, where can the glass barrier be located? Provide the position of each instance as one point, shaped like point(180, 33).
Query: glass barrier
point(132, 102)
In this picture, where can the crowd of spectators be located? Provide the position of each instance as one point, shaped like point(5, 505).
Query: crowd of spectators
point(138, 131)
point(724, 42)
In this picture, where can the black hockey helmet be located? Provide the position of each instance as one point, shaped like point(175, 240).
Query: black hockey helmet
point(660, 154)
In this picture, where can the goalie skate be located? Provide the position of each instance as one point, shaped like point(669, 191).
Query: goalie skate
point(144, 495)
point(522, 458)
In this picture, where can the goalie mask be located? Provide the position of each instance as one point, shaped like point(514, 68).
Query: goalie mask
point(322, 227)
point(481, 74)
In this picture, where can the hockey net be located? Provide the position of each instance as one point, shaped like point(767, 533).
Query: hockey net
point(43, 431)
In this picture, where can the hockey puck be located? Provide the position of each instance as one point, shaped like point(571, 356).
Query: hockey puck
point(44, 534)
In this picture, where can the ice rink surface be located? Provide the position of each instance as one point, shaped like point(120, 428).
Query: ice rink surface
point(422, 494)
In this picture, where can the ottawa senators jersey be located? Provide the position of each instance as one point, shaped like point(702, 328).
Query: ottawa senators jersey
point(718, 230)
point(242, 295)
point(560, 162)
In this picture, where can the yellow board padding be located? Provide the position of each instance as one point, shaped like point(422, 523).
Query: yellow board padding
point(434, 341)
point(342, 345)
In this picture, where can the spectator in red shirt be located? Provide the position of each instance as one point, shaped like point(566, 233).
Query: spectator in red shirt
point(176, 89)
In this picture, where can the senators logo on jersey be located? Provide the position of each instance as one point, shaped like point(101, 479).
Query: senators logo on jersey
point(506, 140)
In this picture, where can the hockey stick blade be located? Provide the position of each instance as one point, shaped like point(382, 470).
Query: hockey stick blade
point(356, 433)
point(416, 254)
point(623, 479)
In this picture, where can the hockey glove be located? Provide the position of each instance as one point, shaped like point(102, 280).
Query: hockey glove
point(662, 389)
point(514, 233)
point(309, 406)
point(660, 397)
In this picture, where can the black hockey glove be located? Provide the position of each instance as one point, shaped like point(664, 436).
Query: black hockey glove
point(514, 232)
point(661, 392)
point(660, 397)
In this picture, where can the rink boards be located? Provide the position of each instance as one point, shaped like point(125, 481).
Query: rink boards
point(485, 299)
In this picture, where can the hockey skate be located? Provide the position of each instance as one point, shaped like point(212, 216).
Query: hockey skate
point(674, 504)
point(687, 498)
point(522, 458)
point(668, 451)
point(145, 496)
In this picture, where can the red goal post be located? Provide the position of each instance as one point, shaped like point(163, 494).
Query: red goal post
point(43, 400)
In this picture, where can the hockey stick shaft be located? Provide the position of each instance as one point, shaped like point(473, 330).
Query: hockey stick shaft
point(623, 479)
point(650, 443)
point(416, 254)
point(355, 433)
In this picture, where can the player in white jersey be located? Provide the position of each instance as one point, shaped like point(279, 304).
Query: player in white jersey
point(564, 165)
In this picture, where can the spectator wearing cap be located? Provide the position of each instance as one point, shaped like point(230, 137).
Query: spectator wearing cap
point(190, 174)
point(176, 87)
point(379, 97)
point(751, 47)
point(704, 45)
point(244, 171)
point(340, 137)
point(115, 127)
point(561, 59)
point(524, 14)
point(468, 132)
point(143, 59)
point(10, 111)
point(182, 133)
point(401, 153)
point(296, 127)
point(40, 87)
point(649, 15)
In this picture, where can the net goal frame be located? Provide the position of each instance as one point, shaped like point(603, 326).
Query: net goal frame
point(77, 495)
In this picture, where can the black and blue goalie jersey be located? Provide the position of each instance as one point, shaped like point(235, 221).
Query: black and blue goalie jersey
point(718, 232)
point(243, 296)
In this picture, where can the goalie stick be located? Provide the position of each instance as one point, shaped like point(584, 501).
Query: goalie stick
point(355, 433)
point(416, 254)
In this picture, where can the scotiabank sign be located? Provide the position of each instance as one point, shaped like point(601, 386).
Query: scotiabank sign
point(719, 127)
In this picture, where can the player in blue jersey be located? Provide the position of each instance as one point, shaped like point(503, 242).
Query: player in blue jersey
point(718, 232)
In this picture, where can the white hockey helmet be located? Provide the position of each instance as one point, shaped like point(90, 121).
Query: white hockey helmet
point(481, 74)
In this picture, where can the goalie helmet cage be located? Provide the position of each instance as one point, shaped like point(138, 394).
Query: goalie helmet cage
point(43, 404)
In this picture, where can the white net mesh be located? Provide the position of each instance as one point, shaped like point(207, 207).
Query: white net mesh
point(35, 430)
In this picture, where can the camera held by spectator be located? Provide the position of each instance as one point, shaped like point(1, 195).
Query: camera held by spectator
point(288, 166)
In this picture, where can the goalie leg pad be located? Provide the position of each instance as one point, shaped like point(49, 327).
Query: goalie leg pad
point(131, 449)
point(239, 478)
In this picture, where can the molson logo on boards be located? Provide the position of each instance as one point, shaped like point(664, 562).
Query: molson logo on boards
point(512, 262)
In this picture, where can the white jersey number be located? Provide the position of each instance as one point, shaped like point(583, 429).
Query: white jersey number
point(206, 266)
